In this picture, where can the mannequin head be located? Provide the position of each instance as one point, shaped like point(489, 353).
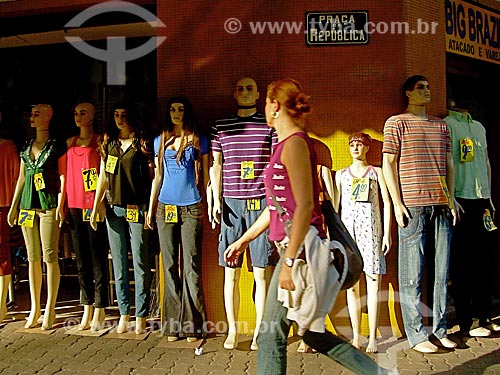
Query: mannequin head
point(124, 118)
point(179, 113)
point(41, 114)
point(359, 145)
point(246, 92)
point(84, 115)
point(417, 91)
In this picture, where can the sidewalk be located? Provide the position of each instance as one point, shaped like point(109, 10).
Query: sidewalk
point(60, 353)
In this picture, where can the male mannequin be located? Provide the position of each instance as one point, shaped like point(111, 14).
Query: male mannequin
point(422, 195)
point(472, 294)
point(47, 203)
point(89, 245)
point(243, 142)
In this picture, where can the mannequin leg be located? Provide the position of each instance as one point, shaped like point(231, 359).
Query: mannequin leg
point(35, 280)
point(232, 304)
point(372, 287)
point(354, 307)
point(261, 277)
point(98, 319)
point(4, 291)
point(88, 311)
point(53, 278)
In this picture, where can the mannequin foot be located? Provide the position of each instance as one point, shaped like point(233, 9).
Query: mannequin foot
point(49, 318)
point(447, 343)
point(494, 327)
point(254, 345)
point(426, 347)
point(231, 340)
point(32, 319)
point(192, 339)
point(304, 348)
point(140, 325)
point(123, 324)
point(172, 338)
point(355, 341)
point(3, 313)
point(372, 346)
point(98, 319)
point(87, 313)
point(479, 332)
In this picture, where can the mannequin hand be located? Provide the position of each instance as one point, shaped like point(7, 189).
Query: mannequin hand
point(60, 215)
point(234, 251)
point(93, 219)
point(492, 209)
point(285, 278)
point(459, 209)
point(402, 215)
point(12, 216)
point(149, 219)
point(101, 210)
point(210, 201)
point(386, 244)
point(216, 212)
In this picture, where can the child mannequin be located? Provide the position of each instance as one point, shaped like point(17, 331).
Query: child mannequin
point(358, 187)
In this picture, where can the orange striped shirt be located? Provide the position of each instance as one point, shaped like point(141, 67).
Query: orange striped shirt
point(421, 146)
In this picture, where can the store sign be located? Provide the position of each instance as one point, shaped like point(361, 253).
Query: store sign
point(336, 28)
point(472, 31)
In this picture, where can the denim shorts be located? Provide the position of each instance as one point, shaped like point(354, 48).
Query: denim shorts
point(236, 219)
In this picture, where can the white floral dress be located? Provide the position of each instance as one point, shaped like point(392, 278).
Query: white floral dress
point(363, 220)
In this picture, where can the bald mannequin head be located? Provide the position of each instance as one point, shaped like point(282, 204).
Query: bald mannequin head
point(84, 114)
point(246, 92)
point(41, 114)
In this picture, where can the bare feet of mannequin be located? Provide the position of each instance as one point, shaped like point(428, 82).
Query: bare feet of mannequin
point(426, 347)
point(88, 310)
point(32, 319)
point(98, 319)
point(372, 345)
point(140, 325)
point(49, 317)
point(123, 324)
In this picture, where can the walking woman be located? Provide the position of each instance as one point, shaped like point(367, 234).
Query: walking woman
point(181, 161)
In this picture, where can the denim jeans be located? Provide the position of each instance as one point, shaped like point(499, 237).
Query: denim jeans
point(428, 226)
point(273, 334)
point(122, 235)
point(183, 312)
point(91, 259)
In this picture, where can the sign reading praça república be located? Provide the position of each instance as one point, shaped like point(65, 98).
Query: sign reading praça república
point(472, 31)
point(336, 28)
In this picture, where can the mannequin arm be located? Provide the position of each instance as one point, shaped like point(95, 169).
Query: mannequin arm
point(61, 197)
point(450, 181)
point(216, 180)
point(14, 208)
point(99, 207)
point(390, 172)
point(488, 168)
point(326, 175)
point(386, 200)
point(338, 192)
point(153, 197)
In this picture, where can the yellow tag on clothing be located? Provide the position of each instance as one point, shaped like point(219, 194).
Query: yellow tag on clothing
point(247, 170)
point(444, 185)
point(39, 182)
point(26, 218)
point(86, 213)
point(488, 221)
point(466, 150)
point(253, 204)
point(111, 163)
point(89, 177)
point(360, 189)
point(132, 214)
point(171, 213)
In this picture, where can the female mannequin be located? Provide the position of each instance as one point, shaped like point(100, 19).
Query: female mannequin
point(90, 246)
point(362, 217)
point(39, 193)
point(125, 176)
point(180, 161)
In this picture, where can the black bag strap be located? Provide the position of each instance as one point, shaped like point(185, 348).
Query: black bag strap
point(281, 213)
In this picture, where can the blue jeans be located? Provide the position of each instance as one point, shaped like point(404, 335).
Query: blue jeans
point(273, 334)
point(428, 226)
point(123, 235)
point(183, 307)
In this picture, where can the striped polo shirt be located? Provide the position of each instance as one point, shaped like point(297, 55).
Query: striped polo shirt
point(421, 145)
point(245, 144)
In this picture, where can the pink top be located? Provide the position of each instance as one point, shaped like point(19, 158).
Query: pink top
point(81, 158)
point(277, 180)
point(9, 171)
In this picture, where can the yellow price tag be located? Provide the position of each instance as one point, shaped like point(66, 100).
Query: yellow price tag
point(247, 170)
point(111, 163)
point(253, 204)
point(132, 214)
point(26, 218)
point(444, 185)
point(89, 177)
point(171, 213)
point(488, 221)
point(360, 189)
point(39, 182)
point(466, 150)
point(87, 212)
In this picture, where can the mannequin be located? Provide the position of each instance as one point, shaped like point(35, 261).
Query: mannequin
point(362, 218)
point(9, 172)
point(125, 176)
point(249, 192)
point(181, 161)
point(40, 188)
point(89, 245)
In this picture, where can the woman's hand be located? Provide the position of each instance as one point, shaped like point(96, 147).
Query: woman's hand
point(234, 251)
point(285, 278)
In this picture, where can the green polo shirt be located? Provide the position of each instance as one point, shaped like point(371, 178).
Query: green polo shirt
point(471, 177)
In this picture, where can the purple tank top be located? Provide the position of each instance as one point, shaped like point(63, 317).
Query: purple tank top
point(276, 179)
